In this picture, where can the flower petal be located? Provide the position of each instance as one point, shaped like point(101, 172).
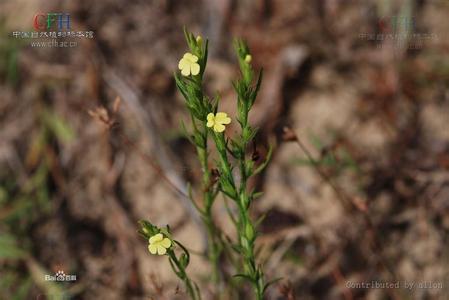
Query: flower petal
point(152, 248)
point(195, 68)
point(221, 115)
point(226, 120)
point(156, 238)
point(185, 71)
point(161, 250)
point(219, 127)
point(194, 58)
point(182, 63)
point(166, 243)
point(210, 120)
point(210, 117)
point(222, 118)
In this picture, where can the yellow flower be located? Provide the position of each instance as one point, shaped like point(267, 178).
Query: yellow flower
point(159, 244)
point(188, 64)
point(218, 121)
point(248, 58)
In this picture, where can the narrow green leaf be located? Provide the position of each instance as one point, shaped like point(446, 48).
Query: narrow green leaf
point(270, 283)
point(265, 163)
point(244, 276)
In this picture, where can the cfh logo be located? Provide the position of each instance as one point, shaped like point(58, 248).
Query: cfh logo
point(50, 20)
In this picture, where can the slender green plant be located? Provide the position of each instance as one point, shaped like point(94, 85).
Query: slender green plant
point(189, 82)
point(233, 166)
point(246, 88)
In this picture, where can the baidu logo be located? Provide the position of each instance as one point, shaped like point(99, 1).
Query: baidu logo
point(60, 276)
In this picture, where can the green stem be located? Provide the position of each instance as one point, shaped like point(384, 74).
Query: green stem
point(247, 238)
point(245, 228)
point(213, 251)
point(184, 277)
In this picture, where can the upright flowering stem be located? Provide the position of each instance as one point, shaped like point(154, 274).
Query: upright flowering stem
point(192, 66)
point(246, 94)
point(205, 120)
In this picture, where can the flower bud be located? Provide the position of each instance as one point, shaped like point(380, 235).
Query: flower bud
point(199, 40)
point(146, 230)
point(248, 58)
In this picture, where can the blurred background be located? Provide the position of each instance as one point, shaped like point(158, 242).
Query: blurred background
point(364, 86)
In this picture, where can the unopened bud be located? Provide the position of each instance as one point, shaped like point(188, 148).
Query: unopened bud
point(199, 40)
point(248, 58)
